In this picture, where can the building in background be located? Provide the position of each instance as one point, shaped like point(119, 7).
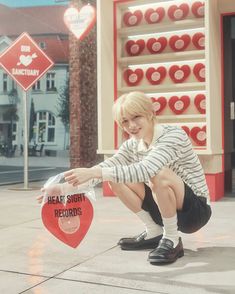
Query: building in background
point(45, 25)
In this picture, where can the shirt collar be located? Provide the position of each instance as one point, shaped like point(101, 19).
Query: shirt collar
point(158, 131)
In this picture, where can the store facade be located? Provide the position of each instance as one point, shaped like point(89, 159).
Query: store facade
point(180, 53)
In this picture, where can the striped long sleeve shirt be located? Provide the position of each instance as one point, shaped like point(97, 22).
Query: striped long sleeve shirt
point(170, 147)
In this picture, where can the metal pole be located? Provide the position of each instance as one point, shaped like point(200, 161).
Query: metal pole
point(26, 182)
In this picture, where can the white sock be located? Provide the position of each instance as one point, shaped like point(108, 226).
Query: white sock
point(152, 229)
point(170, 229)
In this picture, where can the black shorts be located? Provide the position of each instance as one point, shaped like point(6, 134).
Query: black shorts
point(193, 216)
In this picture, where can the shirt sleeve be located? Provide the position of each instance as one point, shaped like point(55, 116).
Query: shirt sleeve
point(163, 152)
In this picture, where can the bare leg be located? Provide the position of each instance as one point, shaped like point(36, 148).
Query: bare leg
point(132, 195)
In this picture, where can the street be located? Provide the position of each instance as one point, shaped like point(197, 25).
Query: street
point(15, 174)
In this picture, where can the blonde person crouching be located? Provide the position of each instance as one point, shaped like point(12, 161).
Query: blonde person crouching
point(157, 175)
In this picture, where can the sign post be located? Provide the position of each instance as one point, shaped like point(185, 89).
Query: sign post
point(26, 63)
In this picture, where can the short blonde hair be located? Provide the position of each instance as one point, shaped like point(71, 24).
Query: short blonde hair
point(133, 103)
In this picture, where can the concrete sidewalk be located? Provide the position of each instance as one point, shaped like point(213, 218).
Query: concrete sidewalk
point(33, 261)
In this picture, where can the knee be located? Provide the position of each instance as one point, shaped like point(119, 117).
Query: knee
point(161, 180)
point(115, 187)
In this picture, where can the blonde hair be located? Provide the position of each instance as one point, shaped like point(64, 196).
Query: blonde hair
point(133, 103)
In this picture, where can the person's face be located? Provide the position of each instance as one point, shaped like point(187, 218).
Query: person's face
point(138, 127)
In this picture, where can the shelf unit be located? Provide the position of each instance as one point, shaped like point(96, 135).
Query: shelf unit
point(128, 62)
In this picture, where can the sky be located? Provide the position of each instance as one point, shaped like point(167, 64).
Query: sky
point(23, 3)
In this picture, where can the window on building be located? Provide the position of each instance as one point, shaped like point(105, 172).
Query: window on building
point(37, 86)
point(42, 45)
point(45, 127)
point(4, 81)
point(50, 81)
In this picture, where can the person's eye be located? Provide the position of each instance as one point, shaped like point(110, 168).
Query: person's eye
point(124, 121)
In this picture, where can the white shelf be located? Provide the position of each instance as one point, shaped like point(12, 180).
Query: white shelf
point(167, 57)
point(199, 150)
point(191, 117)
point(164, 89)
point(173, 26)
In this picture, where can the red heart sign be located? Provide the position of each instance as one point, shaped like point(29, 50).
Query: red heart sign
point(156, 45)
point(199, 135)
point(178, 43)
point(159, 104)
point(154, 15)
point(132, 19)
point(68, 221)
point(134, 48)
point(186, 129)
point(156, 75)
point(199, 72)
point(133, 78)
point(80, 22)
point(179, 74)
point(198, 9)
point(198, 41)
point(200, 103)
point(179, 104)
point(178, 12)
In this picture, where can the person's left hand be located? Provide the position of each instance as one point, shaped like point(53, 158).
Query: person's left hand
point(79, 176)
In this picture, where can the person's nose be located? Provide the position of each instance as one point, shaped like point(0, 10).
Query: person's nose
point(132, 124)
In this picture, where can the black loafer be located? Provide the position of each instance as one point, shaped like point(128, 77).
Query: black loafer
point(165, 252)
point(139, 242)
point(132, 239)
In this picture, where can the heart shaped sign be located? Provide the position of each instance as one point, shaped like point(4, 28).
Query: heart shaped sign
point(199, 135)
point(198, 41)
point(198, 9)
point(178, 12)
point(134, 48)
point(133, 77)
point(178, 43)
point(156, 45)
point(156, 75)
point(132, 19)
point(179, 104)
point(199, 72)
point(154, 15)
point(159, 104)
point(186, 129)
point(69, 220)
point(80, 22)
point(200, 103)
point(179, 74)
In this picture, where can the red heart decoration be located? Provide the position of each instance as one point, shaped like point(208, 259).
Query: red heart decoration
point(134, 48)
point(199, 135)
point(179, 74)
point(198, 9)
point(199, 72)
point(133, 77)
point(186, 129)
point(69, 222)
point(178, 12)
point(154, 15)
point(178, 43)
point(198, 40)
point(132, 19)
point(156, 45)
point(80, 22)
point(179, 104)
point(156, 75)
point(159, 104)
point(200, 103)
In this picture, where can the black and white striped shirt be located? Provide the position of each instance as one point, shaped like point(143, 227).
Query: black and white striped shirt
point(170, 147)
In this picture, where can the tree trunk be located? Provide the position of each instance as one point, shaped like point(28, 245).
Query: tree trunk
point(83, 97)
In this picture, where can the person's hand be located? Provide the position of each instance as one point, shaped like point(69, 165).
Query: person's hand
point(79, 176)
